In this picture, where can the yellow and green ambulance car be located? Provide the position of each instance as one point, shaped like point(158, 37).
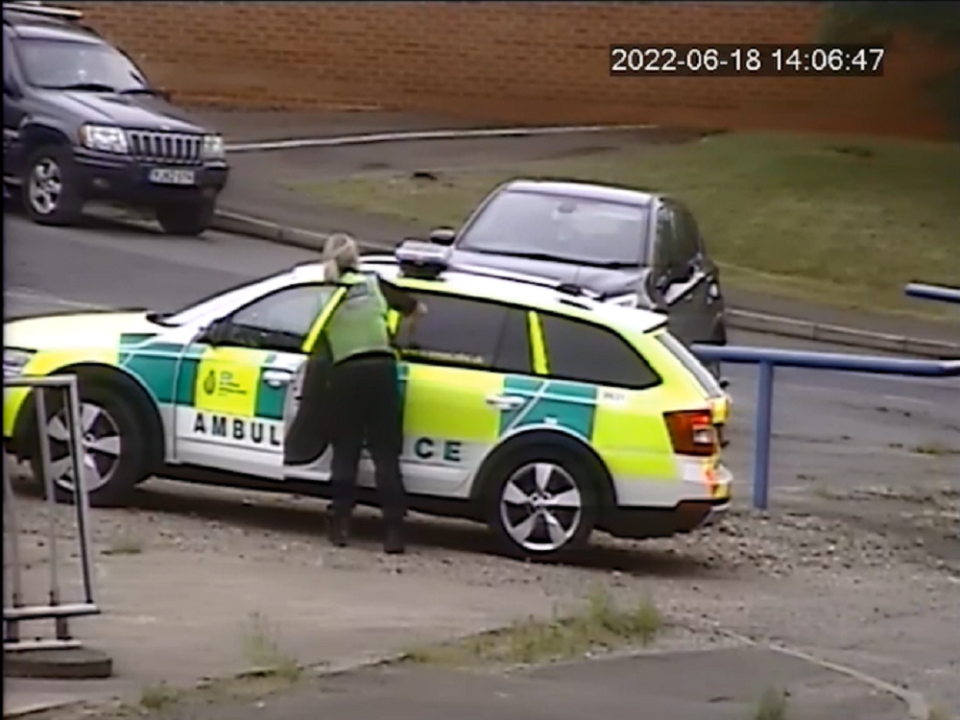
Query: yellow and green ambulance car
point(527, 406)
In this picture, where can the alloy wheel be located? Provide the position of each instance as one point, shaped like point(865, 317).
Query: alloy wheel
point(100, 442)
point(45, 186)
point(541, 507)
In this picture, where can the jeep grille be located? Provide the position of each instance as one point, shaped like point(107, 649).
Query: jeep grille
point(168, 147)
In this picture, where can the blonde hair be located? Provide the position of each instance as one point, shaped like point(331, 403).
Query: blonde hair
point(339, 253)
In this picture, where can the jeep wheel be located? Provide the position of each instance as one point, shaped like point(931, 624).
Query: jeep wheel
point(543, 503)
point(114, 443)
point(51, 193)
point(186, 218)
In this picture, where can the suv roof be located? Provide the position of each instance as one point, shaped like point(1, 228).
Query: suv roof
point(41, 22)
point(585, 190)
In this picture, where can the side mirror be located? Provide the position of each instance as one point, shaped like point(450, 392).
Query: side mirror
point(443, 236)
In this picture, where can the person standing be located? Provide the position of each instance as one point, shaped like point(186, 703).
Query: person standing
point(364, 396)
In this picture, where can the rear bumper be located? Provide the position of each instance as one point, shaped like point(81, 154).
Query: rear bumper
point(645, 523)
point(108, 177)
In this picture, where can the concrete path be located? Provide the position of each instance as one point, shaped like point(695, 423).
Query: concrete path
point(709, 685)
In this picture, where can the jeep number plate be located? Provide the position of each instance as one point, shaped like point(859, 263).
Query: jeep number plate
point(172, 176)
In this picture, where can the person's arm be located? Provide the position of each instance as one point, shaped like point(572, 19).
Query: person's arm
point(400, 300)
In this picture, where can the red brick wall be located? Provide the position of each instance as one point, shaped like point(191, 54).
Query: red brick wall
point(518, 62)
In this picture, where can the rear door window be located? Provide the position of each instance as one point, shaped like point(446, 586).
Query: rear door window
point(470, 333)
point(591, 354)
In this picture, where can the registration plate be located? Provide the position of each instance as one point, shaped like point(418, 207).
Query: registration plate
point(173, 176)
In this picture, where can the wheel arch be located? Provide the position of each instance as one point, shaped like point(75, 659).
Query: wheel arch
point(543, 435)
point(25, 425)
point(37, 135)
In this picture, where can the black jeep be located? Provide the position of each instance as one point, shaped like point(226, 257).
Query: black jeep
point(81, 122)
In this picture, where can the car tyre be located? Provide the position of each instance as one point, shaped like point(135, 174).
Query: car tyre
point(186, 218)
point(50, 187)
point(542, 502)
point(117, 445)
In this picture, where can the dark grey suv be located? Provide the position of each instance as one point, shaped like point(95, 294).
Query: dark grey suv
point(81, 122)
point(633, 248)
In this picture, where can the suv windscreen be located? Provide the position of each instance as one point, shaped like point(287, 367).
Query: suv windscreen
point(557, 227)
point(62, 64)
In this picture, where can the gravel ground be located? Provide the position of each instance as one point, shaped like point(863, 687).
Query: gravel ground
point(879, 602)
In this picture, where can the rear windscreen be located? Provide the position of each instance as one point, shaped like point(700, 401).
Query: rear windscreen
point(691, 363)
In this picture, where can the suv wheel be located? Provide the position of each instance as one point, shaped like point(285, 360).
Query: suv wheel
point(186, 218)
point(543, 502)
point(51, 195)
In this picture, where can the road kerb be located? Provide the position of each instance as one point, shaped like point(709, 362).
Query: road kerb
point(739, 319)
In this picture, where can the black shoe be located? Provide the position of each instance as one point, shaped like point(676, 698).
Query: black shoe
point(393, 540)
point(338, 529)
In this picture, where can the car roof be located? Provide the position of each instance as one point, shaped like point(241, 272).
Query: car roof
point(40, 27)
point(584, 190)
point(511, 289)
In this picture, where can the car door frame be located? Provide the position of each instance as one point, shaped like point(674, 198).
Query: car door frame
point(276, 369)
point(703, 289)
point(674, 294)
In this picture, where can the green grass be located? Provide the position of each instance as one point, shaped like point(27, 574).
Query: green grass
point(842, 221)
point(601, 626)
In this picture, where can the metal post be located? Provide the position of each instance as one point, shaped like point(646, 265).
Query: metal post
point(81, 499)
point(761, 453)
point(11, 627)
point(43, 445)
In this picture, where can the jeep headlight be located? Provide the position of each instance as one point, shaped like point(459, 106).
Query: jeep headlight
point(213, 148)
point(14, 360)
point(104, 138)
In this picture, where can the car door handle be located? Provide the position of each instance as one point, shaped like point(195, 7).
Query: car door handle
point(505, 402)
point(276, 378)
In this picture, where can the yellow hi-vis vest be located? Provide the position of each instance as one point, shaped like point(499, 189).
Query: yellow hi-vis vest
point(359, 323)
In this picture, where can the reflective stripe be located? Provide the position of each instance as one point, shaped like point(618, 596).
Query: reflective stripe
point(321, 320)
point(541, 364)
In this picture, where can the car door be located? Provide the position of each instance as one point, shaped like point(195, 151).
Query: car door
point(233, 388)
point(676, 276)
point(706, 302)
point(13, 112)
point(456, 366)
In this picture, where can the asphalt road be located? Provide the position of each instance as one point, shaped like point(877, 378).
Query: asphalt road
point(833, 431)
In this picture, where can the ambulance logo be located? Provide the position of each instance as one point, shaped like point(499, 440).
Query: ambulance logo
point(210, 383)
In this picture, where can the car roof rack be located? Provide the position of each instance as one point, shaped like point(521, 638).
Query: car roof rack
point(25, 7)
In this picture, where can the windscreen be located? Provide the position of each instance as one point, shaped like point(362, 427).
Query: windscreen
point(568, 229)
point(59, 64)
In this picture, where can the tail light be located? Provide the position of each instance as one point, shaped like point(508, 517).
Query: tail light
point(692, 432)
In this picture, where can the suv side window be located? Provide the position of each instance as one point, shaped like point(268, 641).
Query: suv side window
point(588, 353)
point(470, 333)
point(687, 234)
point(279, 321)
point(667, 258)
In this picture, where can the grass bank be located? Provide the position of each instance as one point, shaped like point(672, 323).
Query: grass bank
point(841, 221)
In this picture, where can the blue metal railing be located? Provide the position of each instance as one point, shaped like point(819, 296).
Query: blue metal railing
point(933, 292)
point(767, 359)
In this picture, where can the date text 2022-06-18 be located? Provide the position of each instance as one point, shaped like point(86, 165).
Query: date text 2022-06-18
point(759, 60)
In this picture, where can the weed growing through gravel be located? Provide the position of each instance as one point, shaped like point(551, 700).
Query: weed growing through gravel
point(157, 697)
point(262, 650)
point(772, 705)
point(601, 626)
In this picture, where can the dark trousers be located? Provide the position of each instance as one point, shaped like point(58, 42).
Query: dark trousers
point(365, 411)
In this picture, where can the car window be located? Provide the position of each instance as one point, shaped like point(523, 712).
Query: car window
point(59, 63)
point(282, 320)
point(691, 363)
point(592, 354)
point(566, 228)
point(470, 333)
point(667, 255)
point(687, 235)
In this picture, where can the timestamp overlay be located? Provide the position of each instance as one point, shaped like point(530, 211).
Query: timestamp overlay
point(737, 60)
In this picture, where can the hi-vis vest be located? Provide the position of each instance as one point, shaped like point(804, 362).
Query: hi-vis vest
point(359, 323)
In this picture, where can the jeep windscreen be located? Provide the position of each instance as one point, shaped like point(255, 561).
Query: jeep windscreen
point(558, 228)
point(81, 66)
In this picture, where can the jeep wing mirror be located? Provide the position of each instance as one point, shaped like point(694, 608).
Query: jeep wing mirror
point(443, 236)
